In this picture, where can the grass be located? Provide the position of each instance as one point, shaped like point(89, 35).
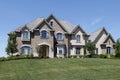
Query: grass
point(61, 69)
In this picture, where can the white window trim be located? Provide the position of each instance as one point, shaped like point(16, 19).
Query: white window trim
point(58, 50)
point(41, 34)
point(26, 46)
point(62, 36)
point(28, 35)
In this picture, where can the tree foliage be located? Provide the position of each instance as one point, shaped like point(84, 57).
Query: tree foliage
point(38, 48)
point(12, 44)
point(117, 48)
point(90, 46)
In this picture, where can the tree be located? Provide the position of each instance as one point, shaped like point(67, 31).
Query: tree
point(117, 48)
point(90, 46)
point(38, 48)
point(12, 44)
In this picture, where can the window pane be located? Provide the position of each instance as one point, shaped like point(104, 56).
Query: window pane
point(78, 38)
point(44, 34)
point(60, 50)
point(96, 50)
point(25, 35)
point(51, 23)
point(59, 36)
point(77, 50)
point(25, 50)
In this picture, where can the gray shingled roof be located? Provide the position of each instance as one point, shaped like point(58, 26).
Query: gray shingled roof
point(31, 25)
point(34, 23)
point(94, 35)
point(68, 26)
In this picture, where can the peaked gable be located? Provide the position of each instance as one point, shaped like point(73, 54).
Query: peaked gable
point(53, 17)
point(109, 37)
point(95, 36)
point(44, 22)
point(25, 27)
point(78, 28)
point(100, 34)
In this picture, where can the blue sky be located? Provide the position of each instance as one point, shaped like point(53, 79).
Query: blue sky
point(89, 14)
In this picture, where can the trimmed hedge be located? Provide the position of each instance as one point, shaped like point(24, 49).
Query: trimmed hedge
point(21, 57)
point(41, 57)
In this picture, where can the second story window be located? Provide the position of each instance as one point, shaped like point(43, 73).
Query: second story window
point(59, 36)
point(25, 35)
point(78, 38)
point(44, 34)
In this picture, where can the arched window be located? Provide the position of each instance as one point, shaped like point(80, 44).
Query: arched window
point(25, 35)
point(59, 36)
point(78, 38)
point(44, 34)
point(26, 50)
point(51, 23)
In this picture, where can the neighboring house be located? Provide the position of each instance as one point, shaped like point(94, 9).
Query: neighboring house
point(104, 42)
point(59, 38)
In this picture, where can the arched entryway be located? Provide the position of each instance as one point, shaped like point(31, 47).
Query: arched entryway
point(43, 49)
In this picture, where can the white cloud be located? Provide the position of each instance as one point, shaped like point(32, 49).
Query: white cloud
point(96, 21)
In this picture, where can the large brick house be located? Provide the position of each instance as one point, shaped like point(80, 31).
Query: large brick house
point(59, 38)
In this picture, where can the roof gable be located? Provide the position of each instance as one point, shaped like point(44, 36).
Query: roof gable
point(95, 36)
point(109, 37)
point(42, 23)
point(78, 28)
point(53, 17)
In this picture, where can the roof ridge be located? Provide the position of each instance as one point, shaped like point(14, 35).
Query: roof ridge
point(97, 30)
point(68, 22)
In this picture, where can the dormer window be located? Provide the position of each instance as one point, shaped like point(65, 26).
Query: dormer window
point(78, 38)
point(25, 35)
point(44, 34)
point(51, 23)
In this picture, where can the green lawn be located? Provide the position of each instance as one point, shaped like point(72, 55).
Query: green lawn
point(61, 69)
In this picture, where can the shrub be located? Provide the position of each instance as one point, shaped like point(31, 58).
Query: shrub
point(112, 56)
point(117, 48)
point(2, 59)
point(103, 56)
point(82, 56)
point(73, 56)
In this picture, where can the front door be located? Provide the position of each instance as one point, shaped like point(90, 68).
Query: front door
point(43, 50)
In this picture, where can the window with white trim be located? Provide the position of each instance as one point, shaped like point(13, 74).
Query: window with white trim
point(59, 36)
point(26, 50)
point(25, 35)
point(44, 34)
point(60, 50)
point(78, 38)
